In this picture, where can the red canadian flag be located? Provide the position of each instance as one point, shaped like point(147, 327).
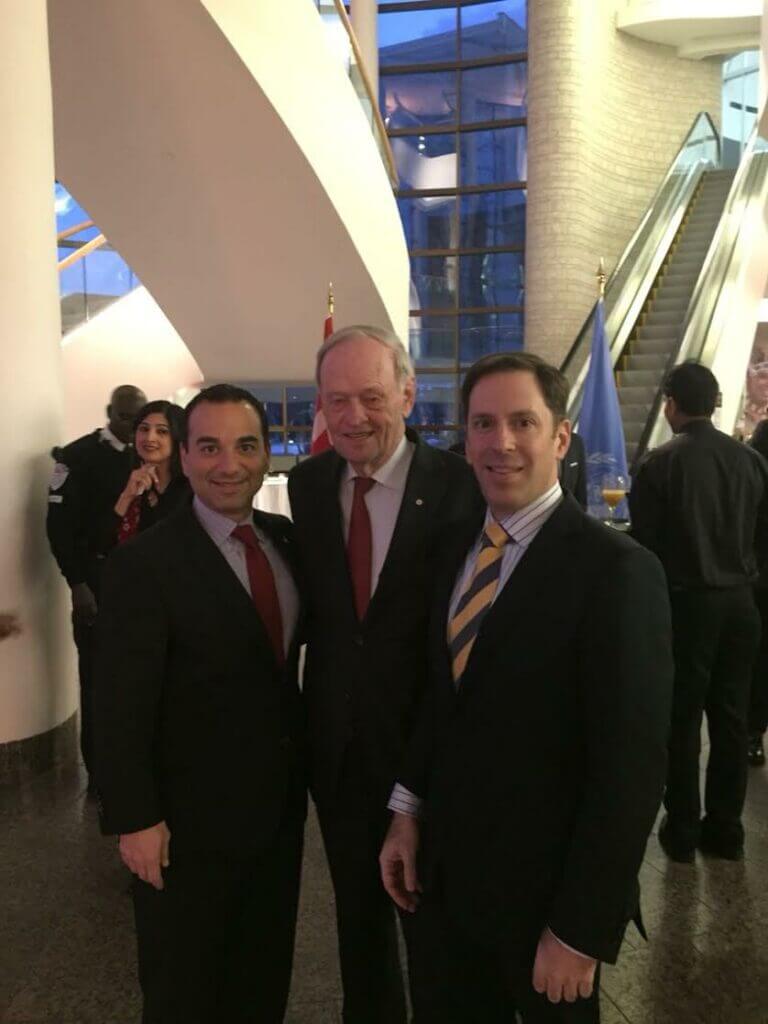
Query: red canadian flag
point(320, 438)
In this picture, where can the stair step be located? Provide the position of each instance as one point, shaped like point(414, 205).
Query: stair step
point(635, 413)
point(631, 452)
point(663, 333)
point(639, 378)
point(663, 303)
point(670, 318)
point(643, 395)
point(647, 361)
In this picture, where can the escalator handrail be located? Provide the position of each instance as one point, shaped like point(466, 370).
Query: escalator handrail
point(585, 331)
point(702, 290)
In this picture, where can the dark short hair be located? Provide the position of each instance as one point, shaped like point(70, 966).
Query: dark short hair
point(221, 394)
point(177, 424)
point(694, 389)
point(552, 383)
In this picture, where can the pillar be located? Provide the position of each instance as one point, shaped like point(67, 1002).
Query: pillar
point(38, 692)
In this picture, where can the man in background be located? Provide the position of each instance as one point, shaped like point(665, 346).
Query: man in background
point(695, 503)
point(88, 477)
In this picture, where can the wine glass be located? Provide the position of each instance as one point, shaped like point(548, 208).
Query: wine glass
point(613, 492)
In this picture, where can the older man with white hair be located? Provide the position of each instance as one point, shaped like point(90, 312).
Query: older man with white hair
point(372, 517)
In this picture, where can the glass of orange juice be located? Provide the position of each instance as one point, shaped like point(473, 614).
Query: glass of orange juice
point(613, 492)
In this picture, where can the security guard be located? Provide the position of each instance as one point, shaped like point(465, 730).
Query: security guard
point(88, 478)
point(695, 502)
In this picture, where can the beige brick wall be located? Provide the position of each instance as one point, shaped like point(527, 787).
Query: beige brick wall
point(607, 113)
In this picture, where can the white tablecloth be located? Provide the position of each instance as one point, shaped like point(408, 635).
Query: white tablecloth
point(273, 496)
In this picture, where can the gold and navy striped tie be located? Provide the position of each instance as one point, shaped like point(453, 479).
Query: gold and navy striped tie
point(477, 598)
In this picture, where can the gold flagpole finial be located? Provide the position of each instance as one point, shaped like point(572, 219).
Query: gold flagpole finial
point(601, 277)
point(330, 298)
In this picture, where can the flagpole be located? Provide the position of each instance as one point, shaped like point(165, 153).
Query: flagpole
point(601, 278)
point(330, 298)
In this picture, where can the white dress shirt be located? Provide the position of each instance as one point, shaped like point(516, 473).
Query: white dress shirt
point(105, 434)
point(383, 502)
point(219, 528)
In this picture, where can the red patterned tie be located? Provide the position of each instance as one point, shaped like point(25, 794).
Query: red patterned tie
point(263, 590)
point(360, 545)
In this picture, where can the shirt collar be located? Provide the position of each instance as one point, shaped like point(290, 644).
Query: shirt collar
point(105, 434)
point(218, 527)
point(523, 525)
point(394, 471)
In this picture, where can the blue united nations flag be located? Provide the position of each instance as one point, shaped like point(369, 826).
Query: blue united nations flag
point(600, 424)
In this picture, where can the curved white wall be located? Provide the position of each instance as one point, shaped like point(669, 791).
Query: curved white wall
point(223, 152)
point(697, 28)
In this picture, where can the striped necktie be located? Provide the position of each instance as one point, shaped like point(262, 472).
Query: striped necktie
point(477, 598)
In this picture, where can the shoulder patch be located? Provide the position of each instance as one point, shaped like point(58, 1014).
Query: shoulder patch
point(59, 475)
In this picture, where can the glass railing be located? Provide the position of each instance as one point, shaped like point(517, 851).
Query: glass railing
point(344, 45)
point(91, 274)
point(638, 267)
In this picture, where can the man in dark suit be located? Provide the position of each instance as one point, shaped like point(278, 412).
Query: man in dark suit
point(199, 731)
point(372, 518)
point(88, 477)
point(538, 764)
point(695, 502)
point(573, 470)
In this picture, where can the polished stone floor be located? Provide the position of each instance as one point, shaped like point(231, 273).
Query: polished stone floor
point(67, 953)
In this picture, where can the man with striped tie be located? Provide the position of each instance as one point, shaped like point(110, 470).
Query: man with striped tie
point(536, 772)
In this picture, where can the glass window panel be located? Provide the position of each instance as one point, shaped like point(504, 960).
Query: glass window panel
point(107, 273)
point(494, 157)
point(487, 333)
point(298, 442)
point(432, 341)
point(433, 282)
point(492, 279)
point(418, 37)
point(436, 400)
point(493, 218)
point(440, 438)
point(300, 405)
point(429, 222)
point(494, 93)
point(69, 212)
point(422, 98)
point(491, 29)
point(272, 398)
point(277, 442)
point(425, 161)
point(71, 280)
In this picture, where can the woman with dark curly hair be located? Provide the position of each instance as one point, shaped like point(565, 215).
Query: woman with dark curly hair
point(157, 486)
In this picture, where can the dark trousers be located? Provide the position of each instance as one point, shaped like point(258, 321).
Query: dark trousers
point(456, 980)
point(84, 641)
point(366, 918)
point(216, 944)
point(758, 703)
point(715, 635)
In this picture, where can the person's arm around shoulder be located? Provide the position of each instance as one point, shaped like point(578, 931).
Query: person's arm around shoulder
point(132, 638)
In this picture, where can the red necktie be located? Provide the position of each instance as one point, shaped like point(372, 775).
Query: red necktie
point(263, 590)
point(359, 546)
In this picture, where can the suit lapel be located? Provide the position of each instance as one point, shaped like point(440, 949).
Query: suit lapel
point(218, 577)
point(535, 574)
point(424, 489)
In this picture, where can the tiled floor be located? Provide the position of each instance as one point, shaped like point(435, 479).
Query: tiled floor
point(67, 952)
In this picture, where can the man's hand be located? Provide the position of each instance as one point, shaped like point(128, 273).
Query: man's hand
point(397, 861)
point(83, 605)
point(9, 625)
point(561, 973)
point(146, 852)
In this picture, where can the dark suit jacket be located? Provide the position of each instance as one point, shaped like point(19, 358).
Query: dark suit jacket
point(573, 471)
point(543, 776)
point(363, 681)
point(195, 722)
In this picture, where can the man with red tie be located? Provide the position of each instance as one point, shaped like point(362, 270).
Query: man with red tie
point(372, 518)
point(199, 731)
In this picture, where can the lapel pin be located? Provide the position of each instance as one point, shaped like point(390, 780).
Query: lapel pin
point(419, 501)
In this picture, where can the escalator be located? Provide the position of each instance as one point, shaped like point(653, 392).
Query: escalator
point(666, 300)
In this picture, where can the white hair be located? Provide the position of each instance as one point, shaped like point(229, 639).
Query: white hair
point(402, 360)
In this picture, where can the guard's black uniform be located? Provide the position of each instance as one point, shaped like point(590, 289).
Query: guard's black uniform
point(87, 480)
point(695, 502)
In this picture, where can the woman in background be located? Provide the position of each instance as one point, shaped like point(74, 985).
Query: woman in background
point(758, 705)
point(158, 485)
